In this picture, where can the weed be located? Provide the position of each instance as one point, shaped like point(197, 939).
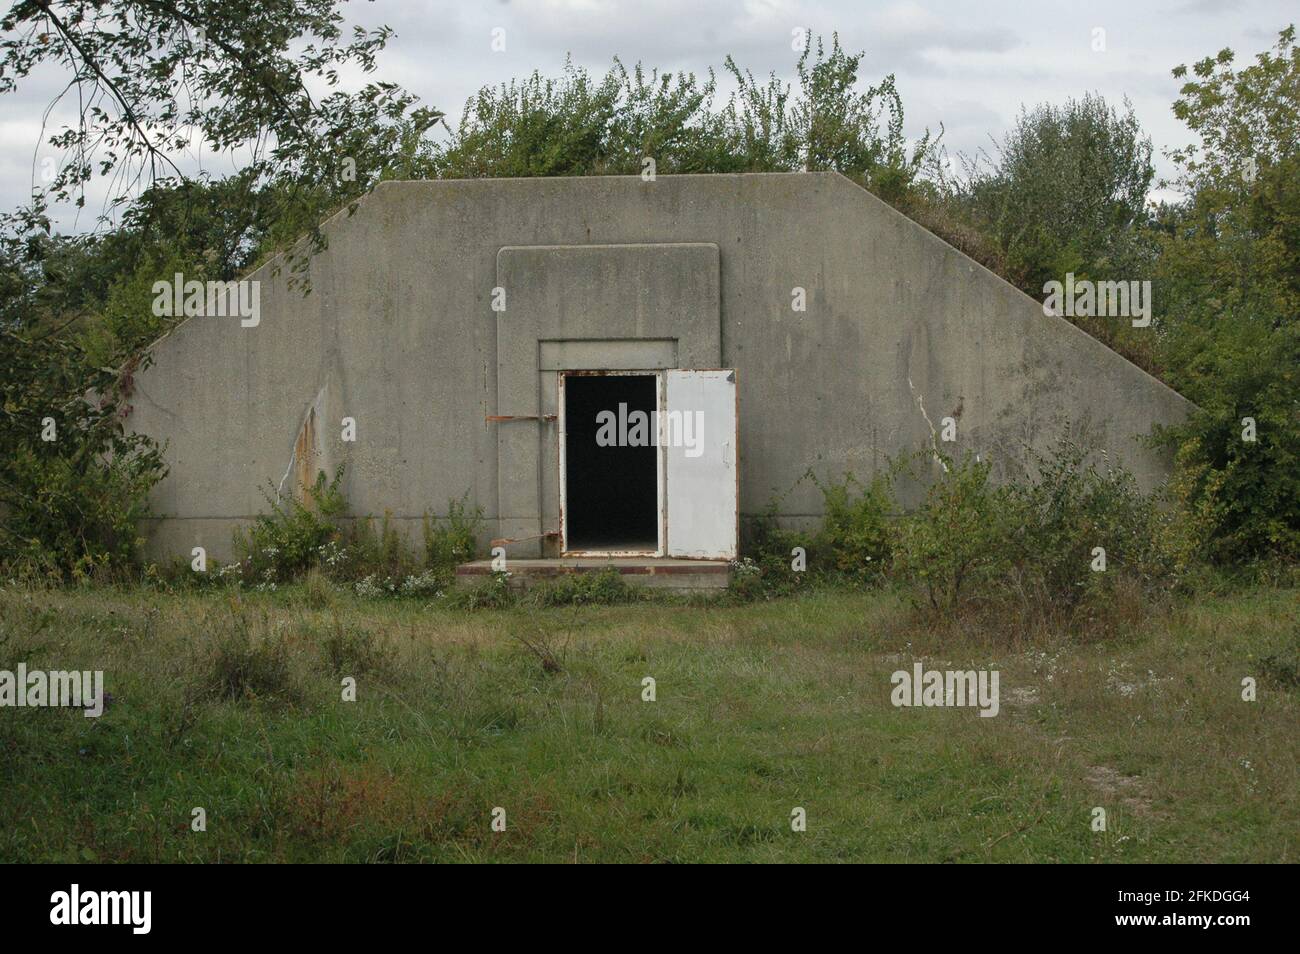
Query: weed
point(351, 650)
point(605, 587)
point(244, 664)
point(492, 593)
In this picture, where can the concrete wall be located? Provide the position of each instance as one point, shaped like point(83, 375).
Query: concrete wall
point(398, 333)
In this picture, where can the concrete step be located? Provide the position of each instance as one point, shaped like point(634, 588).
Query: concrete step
point(664, 572)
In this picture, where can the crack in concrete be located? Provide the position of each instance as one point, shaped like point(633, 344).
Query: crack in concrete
point(934, 435)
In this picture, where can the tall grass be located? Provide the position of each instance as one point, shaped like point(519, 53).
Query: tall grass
point(759, 708)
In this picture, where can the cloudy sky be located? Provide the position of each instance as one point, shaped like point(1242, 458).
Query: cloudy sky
point(966, 65)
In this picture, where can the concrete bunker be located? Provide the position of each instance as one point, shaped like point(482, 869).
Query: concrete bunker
point(687, 281)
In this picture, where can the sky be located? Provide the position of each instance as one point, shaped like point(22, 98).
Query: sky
point(968, 67)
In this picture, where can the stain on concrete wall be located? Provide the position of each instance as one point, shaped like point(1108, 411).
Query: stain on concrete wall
point(306, 458)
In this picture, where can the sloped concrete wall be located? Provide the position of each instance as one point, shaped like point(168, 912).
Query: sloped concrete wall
point(398, 333)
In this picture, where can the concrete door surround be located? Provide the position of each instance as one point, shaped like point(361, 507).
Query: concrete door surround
point(586, 307)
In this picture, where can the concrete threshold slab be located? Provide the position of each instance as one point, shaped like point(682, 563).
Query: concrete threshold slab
point(665, 572)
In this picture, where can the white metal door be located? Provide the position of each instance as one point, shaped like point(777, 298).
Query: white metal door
point(698, 434)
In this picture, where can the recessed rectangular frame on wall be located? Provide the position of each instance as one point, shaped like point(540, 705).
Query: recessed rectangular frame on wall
point(586, 307)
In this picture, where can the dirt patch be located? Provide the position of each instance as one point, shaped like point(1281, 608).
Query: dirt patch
point(1126, 789)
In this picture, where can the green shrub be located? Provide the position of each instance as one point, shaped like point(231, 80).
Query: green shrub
point(492, 593)
point(304, 536)
point(1073, 507)
point(764, 536)
point(856, 536)
point(580, 124)
point(1063, 189)
point(1032, 550)
point(1228, 270)
point(767, 577)
point(959, 541)
point(380, 559)
point(766, 569)
point(295, 535)
point(382, 563)
point(854, 542)
point(74, 483)
point(75, 516)
point(454, 539)
point(1243, 498)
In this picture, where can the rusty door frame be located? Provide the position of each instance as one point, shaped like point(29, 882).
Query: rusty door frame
point(660, 464)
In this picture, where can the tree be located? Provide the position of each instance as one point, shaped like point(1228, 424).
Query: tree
point(1065, 191)
point(1229, 294)
point(155, 77)
point(73, 484)
point(151, 79)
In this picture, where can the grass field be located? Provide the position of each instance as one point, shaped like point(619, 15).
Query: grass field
point(235, 706)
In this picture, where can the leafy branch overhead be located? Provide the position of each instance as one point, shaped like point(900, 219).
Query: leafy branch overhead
point(154, 81)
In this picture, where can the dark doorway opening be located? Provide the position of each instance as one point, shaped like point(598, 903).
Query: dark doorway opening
point(612, 491)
